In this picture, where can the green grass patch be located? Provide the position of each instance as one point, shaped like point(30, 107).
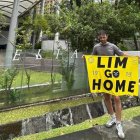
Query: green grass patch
point(34, 94)
point(23, 113)
point(128, 114)
point(36, 77)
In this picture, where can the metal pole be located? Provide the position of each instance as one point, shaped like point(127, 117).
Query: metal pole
point(42, 13)
point(57, 12)
point(12, 34)
point(42, 7)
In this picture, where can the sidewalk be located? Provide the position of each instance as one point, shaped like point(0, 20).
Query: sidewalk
point(131, 128)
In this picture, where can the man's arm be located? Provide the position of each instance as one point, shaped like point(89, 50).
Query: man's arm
point(94, 51)
point(125, 54)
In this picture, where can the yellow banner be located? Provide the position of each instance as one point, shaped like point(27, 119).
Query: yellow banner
point(113, 75)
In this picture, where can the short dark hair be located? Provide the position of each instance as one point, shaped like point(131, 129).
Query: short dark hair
point(102, 32)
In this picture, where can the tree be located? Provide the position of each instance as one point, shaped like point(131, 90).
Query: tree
point(7, 77)
point(28, 27)
point(131, 1)
point(130, 17)
point(81, 24)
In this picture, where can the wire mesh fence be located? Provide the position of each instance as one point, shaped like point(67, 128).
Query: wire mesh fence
point(32, 79)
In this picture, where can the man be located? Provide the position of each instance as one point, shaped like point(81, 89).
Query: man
point(105, 48)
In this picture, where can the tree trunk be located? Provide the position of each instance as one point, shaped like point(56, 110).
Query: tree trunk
point(135, 42)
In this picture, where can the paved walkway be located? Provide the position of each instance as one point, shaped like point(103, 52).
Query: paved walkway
point(132, 131)
point(81, 135)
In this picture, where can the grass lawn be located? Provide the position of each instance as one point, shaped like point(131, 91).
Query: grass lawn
point(36, 93)
point(23, 113)
point(36, 77)
point(128, 114)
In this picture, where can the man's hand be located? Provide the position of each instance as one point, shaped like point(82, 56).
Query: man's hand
point(125, 54)
point(83, 56)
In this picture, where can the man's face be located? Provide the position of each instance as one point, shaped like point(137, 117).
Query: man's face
point(103, 38)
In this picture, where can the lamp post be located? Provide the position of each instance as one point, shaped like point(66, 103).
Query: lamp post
point(57, 12)
point(42, 13)
point(12, 34)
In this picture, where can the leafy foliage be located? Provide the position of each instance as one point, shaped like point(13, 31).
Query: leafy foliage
point(7, 77)
point(14, 96)
point(68, 74)
point(67, 67)
point(6, 80)
point(2, 20)
point(81, 24)
point(23, 39)
point(131, 1)
point(28, 27)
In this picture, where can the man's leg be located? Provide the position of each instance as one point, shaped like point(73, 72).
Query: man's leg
point(118, 109)
point(108, 103)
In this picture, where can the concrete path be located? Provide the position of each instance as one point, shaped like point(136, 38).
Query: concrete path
point(131, 128)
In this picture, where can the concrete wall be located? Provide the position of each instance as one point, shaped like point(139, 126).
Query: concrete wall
point(48, 44)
